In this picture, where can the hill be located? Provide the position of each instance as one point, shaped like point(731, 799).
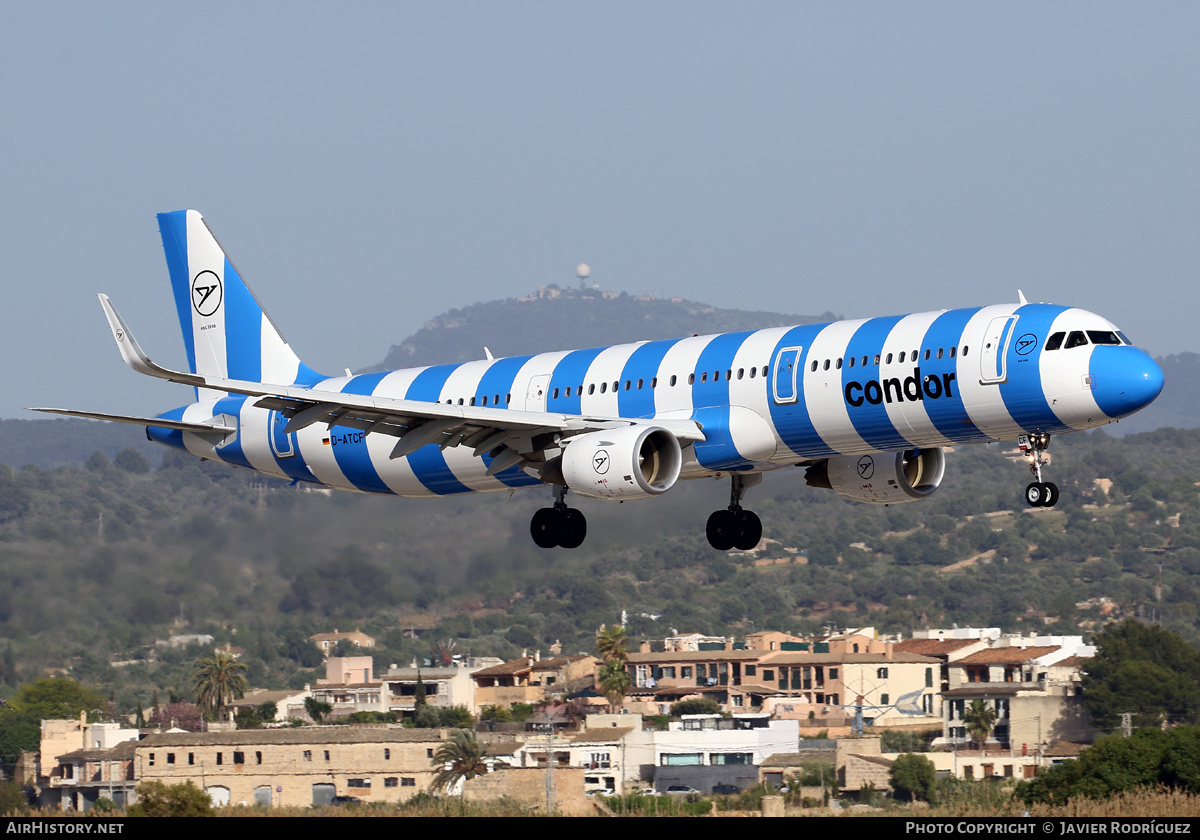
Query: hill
point(564, 319)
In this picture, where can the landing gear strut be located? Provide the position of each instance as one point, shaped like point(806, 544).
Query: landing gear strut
point(1039, 493)
point(558, 525)
point(735, 527)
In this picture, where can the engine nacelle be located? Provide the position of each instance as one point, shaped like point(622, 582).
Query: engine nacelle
point(634, 462)
point(883, 479)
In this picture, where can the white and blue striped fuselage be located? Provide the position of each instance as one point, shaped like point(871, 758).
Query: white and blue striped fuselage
point(763, 399)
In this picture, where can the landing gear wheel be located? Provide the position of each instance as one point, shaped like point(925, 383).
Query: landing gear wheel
point(546, 528)
point(1035, 494)
point(1051, 494)
point(749, 530)
point(574, 528)
point(722, 530)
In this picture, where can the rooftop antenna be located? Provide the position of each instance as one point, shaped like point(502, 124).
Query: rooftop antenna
point(583, 271)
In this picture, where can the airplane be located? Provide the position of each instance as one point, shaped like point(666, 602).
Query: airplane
point(868, 407)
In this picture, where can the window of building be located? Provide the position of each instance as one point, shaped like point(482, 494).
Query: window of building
point(326, 755)
point(391, 781)
point(308, 755)
point(191, 758)
point(239, 757)
point(258, 757)
point(170, 758)
point(408, 781)
point(387, 754)
point(881, 673)
point(682, 759)
point(152, 760)
point(358, 783)
point(220, 758)
point(730, 758)
point(768, 674)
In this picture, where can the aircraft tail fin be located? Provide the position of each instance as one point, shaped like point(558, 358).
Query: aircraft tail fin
point(227, 333)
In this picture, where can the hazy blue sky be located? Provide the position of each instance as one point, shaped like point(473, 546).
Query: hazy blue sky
point(370, 165)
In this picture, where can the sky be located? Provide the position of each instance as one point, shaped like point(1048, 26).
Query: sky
point(369, 166)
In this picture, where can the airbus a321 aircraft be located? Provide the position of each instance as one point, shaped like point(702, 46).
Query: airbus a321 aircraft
point(867, 406)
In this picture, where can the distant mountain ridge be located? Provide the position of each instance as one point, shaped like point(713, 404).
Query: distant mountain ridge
point(554, 318)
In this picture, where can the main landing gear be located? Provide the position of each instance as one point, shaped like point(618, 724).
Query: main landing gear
point(558, 525)
point(1039, 493)
point(735, 527)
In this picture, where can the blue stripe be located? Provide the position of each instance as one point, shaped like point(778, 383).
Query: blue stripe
point(428, 462)
point(870, 421)
point(791, 420)
point(168, 437)
point(571, 372)
point(498, 380)
point(1022, 390)
point(947, 412)
point(642, 364)
point(232, 452)
point(711, 401)
point(172, 227)
point(350, 445)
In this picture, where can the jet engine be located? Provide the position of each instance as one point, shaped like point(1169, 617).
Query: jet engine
point(634, 462)
point(882, 479)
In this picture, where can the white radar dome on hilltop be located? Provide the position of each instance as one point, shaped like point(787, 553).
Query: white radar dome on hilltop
point(582, 270)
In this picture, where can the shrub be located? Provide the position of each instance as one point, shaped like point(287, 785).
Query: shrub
point(156, 799)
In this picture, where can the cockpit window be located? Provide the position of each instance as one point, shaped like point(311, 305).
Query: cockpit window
point(1076, 339)
point(1055, 341)
point(1103, 337)
point(1124, 338)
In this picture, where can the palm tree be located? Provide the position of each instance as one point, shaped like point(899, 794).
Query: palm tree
point(612, 643)
point(979, 718)
point(460, 757)
point(217, 680)
point(614, 681)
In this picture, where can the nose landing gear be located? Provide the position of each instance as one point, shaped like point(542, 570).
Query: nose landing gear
point(1039, 493)
point(735, 527)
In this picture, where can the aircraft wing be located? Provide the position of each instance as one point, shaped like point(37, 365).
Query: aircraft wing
point(510, 435)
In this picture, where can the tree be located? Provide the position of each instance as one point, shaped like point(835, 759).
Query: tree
point(612, 643)
point(614, 681)
point(979, 718)
point(460, 757)
point(217, 680)
point(316, 709)
point(1146, 670)
point(913, 777)
point(696, 706)
point(53, 698)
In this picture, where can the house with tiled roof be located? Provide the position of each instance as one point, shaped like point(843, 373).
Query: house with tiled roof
point(1033, 683)
point(532, 679)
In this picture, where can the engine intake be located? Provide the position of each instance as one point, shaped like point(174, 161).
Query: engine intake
point(634, 462)
point(883, 479)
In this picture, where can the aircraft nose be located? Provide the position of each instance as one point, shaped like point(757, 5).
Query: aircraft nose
point(1126, 379)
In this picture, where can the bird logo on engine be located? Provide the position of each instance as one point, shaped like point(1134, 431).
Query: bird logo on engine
point(600, 462)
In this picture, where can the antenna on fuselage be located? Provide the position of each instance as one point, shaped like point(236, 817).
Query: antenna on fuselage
point(1021, 296)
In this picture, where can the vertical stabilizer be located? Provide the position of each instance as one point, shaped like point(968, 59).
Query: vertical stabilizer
point(225, 330)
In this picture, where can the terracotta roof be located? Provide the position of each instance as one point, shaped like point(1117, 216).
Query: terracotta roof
point(1007, 655)
point(933, 647)
point(528, 663)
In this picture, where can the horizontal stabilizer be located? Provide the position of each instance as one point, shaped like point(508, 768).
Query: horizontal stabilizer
point(197, 428)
